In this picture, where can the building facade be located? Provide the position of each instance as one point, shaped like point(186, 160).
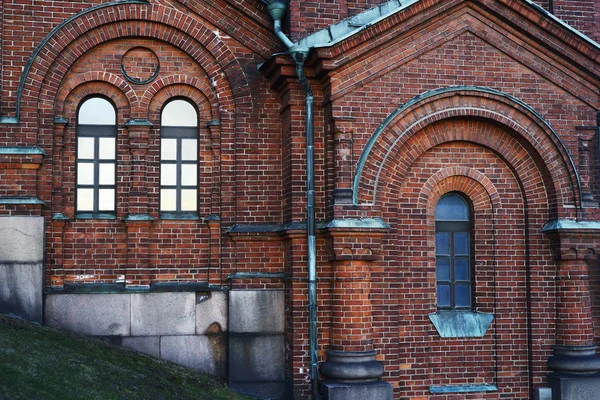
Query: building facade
point(436, 237)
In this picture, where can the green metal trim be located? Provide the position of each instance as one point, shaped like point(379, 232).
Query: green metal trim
point(462, 389)
point(137, 217)
point(138, 122)
point(21, 200)
point(357, 223)
point(60, 120)
point(212, 217)
point(9, 120)
point(214, 122)
point(461, 323)
point(89, 215)
point(25, 150)
point(569, 224)
point(60, 217)
point(183, 216)
point(255, 228)
point(251, 275)
point(121, 288)
point(452, 89)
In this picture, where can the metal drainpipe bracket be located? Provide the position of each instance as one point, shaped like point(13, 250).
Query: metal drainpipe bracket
point(299, 53)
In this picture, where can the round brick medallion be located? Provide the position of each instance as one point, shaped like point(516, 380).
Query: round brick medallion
point(140, 65)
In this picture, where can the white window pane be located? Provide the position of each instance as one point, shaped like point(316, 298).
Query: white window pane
point(179, 113)
point(106, 200)
point(189, 149)
point(85, 147)
point(107, 174)
point(168, 149)
point(97, 111)
point(107, 148)
point(85, 173)
point(168, 174)
point(189, 174)
point(188, 200)
point(85, 199)
point(168, 200)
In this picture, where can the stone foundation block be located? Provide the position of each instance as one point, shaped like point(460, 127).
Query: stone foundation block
point(89, 314)
point(256, 311)
point(206, 354)
point(171, 313)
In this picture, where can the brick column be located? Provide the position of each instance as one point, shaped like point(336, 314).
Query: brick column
point(575, 365)
point(351, 369)
point(138, 221)
point(343, 159)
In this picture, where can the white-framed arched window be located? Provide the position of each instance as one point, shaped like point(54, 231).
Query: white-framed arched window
point(96, 155)
point(179, 160)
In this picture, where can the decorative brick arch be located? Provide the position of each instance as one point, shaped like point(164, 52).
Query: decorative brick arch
point(83, 80)
point(478, 187)
point(42, 78)
point(520, 122)
point(77, 92)
point(192, 88)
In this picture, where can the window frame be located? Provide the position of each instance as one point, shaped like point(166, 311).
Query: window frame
point(179, 133)
point(453, 227)
point(96, 132)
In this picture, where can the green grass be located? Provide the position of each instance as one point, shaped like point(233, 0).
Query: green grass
point(38, 362)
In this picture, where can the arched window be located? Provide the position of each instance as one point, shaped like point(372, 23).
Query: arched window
point(96, 159)
point(179, 160)
point(453, 252)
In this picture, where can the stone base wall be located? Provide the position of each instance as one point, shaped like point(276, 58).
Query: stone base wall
point(188, 328)
point(22, 266)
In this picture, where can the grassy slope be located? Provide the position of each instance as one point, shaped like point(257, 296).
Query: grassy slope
point(38, 362)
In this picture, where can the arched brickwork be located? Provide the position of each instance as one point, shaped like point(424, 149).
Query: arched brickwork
point(194, 89)
point(69, 91)
point(63, 47)
point(527, 134)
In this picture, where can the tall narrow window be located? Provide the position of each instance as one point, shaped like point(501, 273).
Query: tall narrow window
point(96, 158)
point(179, 160)
point(453, 252)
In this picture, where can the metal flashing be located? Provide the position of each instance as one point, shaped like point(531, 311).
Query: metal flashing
point(137, 217)
point(356, 223)
point(462, 389)
point(569, 224)
point(60, 217)
point(461, 323)
point(251, 275)
point(25, 150)
point(21, 200)
point(138, 122)
point(9, 120)
point(563, 24)
point(350, 26)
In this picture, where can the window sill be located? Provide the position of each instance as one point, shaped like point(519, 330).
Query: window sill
point(461, 323)
point(84, 215)
point(186, 216)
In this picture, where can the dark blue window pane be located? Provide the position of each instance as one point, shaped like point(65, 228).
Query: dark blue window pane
point(442, 243)
point(443, 295)
point(443, 268)
point(461, 269)
point(451, 207)
point(463, 295)
point(461, 243)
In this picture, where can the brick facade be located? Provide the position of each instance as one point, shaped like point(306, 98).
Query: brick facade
point(494, 99)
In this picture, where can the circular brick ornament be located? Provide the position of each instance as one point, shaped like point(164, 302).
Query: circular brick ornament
point(140, 65)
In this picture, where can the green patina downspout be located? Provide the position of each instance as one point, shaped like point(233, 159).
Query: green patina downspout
point(299, 53)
